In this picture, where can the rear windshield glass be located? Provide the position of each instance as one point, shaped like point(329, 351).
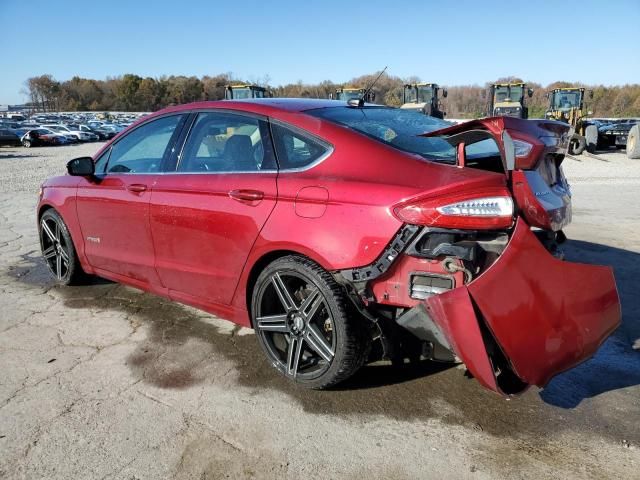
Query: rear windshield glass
point(396, 127)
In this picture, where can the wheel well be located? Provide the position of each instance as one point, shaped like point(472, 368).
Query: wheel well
point(43, 209)
point(259, 266)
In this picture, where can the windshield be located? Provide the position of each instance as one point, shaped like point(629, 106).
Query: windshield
point(566, 99)
point(398, 128)
point(425, 93)
point(243, 93)
point(418, 93)
point(508, 93)
point(347, 95)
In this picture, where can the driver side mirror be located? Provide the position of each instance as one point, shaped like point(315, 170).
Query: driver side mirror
point(590, 93)
point(81, 167)
point(530, 92)
point(444, 92)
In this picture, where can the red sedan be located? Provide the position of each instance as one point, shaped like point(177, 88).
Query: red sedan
point(343, 234)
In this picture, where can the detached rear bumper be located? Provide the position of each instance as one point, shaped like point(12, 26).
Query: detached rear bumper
point(539, 314)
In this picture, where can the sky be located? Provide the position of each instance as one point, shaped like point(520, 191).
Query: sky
point(447, 42)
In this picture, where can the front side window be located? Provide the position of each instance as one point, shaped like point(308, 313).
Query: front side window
point(227, 142)
point(295, 149)
point(144, 149)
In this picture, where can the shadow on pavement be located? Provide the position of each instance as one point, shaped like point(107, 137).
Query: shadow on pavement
point(184, 348)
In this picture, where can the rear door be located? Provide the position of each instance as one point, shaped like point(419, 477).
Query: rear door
point(113, 208)
point(206, 215)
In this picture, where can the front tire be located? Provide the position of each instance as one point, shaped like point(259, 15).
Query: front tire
point(26, 143)
point(58, 250)
point(306, 325)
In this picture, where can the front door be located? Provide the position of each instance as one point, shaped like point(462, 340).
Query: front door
point(113, 207)
point(206, 216)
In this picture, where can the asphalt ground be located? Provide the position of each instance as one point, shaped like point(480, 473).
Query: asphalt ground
point(104, 381)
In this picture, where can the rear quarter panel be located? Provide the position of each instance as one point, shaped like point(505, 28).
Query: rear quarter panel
point(363, 179)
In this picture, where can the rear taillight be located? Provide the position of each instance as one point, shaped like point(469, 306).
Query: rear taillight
point(527, 150)
point(522, 148)
point(483, 210)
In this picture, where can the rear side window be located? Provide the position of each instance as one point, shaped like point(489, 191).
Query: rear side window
point(143, 149)
point(295, 149)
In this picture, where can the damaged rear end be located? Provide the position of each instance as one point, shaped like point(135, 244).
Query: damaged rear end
point(476, 275)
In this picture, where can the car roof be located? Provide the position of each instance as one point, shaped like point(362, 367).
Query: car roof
point(281, 104)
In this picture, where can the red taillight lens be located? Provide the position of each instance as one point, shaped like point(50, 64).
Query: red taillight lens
point(482, 210)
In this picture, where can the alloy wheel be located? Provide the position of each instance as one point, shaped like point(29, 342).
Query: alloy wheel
point(54, 247)
point(296, 326)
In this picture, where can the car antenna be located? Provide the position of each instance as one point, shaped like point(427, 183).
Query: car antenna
point(359, 102)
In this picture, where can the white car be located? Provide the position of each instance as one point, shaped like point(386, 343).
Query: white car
point(62, 139)
point(77, 135)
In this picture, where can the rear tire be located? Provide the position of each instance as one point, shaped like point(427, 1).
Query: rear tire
point(58, 250)
point(577, 144)
point(306, 325)
point(633, 142)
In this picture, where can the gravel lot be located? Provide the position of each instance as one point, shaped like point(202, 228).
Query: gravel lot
point(104, 381)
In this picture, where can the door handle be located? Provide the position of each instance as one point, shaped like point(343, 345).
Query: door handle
point(246, 196)
point(137, 188)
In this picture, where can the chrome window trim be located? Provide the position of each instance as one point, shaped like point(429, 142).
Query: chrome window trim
point(302, 132)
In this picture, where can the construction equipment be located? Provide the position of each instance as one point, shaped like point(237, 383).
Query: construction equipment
point(242, 92)
point(508, 100)
point(348, 93)
point(568, 105)
point(423, 97)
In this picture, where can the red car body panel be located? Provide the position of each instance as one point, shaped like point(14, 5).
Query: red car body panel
point(455, 315)
point(201, 239)
point(118, 238)
point(547, 315)
point(193, 254)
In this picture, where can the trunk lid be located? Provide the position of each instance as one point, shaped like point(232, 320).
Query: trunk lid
point(530, 155)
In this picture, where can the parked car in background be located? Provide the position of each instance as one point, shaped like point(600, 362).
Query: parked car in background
point(342, 233)
point(19, 132)
point(95, 131)
point(77, 135)
point(9, 138)
point(43, 137)
point(8, 123)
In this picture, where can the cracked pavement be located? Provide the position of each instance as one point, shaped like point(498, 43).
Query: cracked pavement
point(106, 382)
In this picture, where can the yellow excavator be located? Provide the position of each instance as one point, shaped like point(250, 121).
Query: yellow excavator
point(568, 105)
point(424, 98)
point(508, 100)
point(242, 92)
point(352, 93)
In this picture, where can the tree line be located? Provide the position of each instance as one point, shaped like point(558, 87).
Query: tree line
point(132, 92)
